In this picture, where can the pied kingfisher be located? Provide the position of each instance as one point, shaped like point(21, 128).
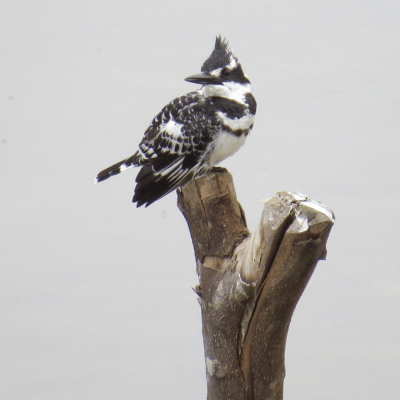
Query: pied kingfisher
point(194, 132)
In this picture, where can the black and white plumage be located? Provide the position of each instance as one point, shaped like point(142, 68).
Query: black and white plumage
point(194, 132)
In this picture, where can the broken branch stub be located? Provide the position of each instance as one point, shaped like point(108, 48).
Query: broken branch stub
point(249, 285)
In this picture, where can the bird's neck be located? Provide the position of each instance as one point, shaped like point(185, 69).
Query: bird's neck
point(229, 90)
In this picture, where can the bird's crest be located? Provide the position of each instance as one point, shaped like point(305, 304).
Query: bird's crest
point(220, 57)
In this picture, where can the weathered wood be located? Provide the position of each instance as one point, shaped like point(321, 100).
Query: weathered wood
point(220, 225)
point(249, 285)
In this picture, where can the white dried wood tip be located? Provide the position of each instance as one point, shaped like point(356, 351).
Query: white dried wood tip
point(316, 205)
point(285, 213)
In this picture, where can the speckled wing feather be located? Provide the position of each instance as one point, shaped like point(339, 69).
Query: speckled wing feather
point(173, 147)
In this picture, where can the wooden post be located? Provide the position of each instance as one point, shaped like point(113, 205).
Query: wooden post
point(249, 285)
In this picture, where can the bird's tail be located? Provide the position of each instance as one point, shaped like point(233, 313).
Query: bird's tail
point(118, 167)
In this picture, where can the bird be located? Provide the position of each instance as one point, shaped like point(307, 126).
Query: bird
point(194, 132)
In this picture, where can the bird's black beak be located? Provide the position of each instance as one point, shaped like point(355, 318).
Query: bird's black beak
point(203, 79)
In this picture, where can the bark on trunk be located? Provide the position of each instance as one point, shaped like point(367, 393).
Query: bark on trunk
point(249, 285)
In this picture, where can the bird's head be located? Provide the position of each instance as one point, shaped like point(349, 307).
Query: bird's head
point(222, 68)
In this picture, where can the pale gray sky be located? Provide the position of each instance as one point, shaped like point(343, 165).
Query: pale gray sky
point(95, 295)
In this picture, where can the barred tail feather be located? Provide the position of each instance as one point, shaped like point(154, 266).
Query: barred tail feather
point(119, 167)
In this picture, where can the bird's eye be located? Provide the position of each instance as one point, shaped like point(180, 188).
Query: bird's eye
point(225, 72)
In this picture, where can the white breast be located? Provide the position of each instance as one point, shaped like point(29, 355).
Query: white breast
point(224, 146)
point(244, 123)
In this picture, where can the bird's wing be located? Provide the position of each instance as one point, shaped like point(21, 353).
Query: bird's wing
point(173, 147)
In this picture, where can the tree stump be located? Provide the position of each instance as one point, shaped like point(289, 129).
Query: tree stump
point(249, 285)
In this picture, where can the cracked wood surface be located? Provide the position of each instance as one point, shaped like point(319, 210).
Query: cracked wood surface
point(249, 285)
